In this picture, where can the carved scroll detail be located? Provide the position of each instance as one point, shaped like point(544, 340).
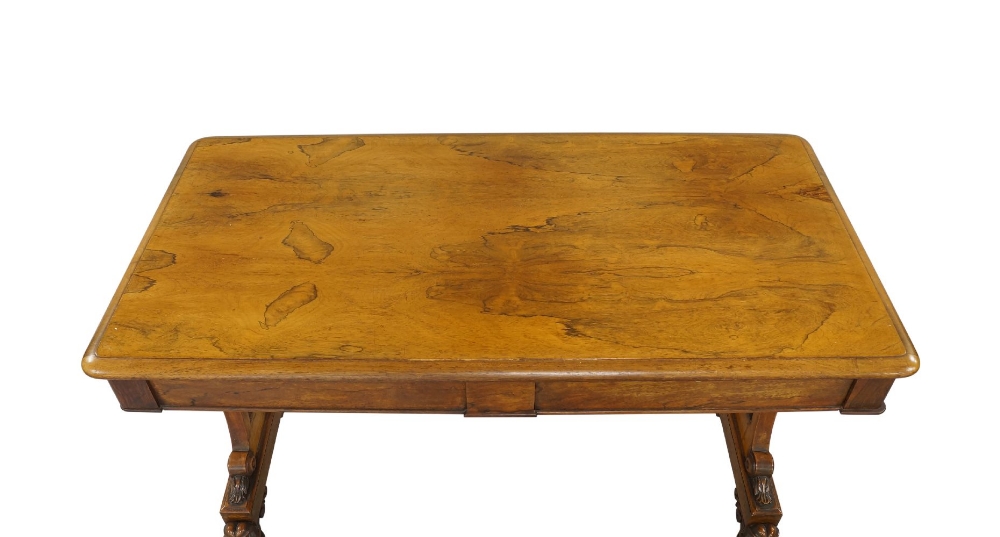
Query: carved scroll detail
point(241, 467)
point(252, 435)
point(760, 467)
point(748, 438)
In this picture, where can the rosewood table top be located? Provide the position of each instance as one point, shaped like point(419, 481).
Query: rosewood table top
point(501, 275)
point(583, 256)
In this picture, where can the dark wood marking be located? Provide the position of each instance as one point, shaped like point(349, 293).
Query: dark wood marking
point(138, 283)
point(222, 140)
point(545, 271)
point(217, 194)
point(712, 157)
point(306, 244)
point(818, 192)
point(155, 259)
point(150, 260)
point(287, 302)
point(330, 148)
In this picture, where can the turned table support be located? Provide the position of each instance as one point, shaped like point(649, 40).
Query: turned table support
point(748, 437)
point(253, 435)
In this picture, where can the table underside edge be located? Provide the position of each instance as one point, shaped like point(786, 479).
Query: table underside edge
point(508, 397)
point(330, 369)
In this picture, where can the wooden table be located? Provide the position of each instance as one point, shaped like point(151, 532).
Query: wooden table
point(501, 275)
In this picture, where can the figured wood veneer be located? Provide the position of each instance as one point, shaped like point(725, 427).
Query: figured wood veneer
point(501, 275)
point(135, 395)
point(505, 398)
point(650, 256)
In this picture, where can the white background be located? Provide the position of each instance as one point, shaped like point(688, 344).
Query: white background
point(99, 102)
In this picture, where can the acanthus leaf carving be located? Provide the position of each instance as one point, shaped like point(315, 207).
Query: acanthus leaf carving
point(239, 486)
point(762, 490)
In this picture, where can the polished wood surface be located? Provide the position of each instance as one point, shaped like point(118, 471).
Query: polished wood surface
point(748, 437)
point(477, 398)
point(501, 275)
point(253, 435)
point(501, 257)
point(867, 396)
point(135, 395)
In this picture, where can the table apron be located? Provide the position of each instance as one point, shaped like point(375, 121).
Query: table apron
point(504, 398)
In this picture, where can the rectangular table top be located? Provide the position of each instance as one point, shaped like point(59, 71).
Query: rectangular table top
point(636, 256)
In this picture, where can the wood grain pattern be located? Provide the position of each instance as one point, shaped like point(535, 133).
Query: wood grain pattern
point(545, 397)
point(313, 395)
point(135, 395)
point(239, 430)
point(495, 257)
point(689, 396)
point(500, 399)
point(501, 275)
point(867, 396)
point(243, 501)
point(748, 438)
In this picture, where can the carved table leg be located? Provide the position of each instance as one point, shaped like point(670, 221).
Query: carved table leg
point(748, 437)
point(253, 435)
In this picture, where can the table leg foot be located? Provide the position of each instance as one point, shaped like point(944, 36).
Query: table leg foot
point(759, 530)
point(252, 435)
point(748, 437)
point(243, 529)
